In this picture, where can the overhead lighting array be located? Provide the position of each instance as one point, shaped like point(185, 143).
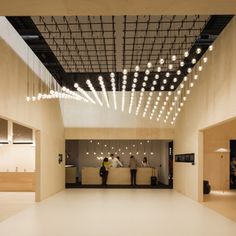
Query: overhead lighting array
point(113, 86)
point(124, 83)
point(171, 100)
point(135, 80)
point(90, 85)
point(101, 82)
point(101, 148)
point(167, 105)
point(180, 95)
point(82, 91)
point(58, 93)
point(144, 84)
point(54, 95)
point(164, 105)
point(149, 99)
point(49, 89)
point(71, 93)
point(155, 105)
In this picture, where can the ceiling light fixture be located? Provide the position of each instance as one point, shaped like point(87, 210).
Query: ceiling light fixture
point(124, 87)
point(113, 87)
point(101, 82)
point(90, 85)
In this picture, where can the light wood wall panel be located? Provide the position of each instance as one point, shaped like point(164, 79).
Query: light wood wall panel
point(216, 169)
point(114, 7)
point(212, 101)
point(44, 116)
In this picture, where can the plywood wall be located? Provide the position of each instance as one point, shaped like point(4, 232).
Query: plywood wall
point(212, 101)
point(44, 116)
point(216, 165)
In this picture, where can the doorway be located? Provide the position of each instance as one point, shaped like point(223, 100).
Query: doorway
point(170, 154)
point(232, 164)
point(17, 167)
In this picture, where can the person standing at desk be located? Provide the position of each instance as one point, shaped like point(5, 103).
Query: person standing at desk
point(104, 170)
point(133, 169)
point(115, 162)
point(145, 162)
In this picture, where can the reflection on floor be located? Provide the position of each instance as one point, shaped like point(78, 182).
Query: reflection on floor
point(14, 202)
point(116, 212)
point(222, 202)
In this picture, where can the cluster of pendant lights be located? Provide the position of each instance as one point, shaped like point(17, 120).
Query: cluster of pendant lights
point(108, 149)
point(165, 105)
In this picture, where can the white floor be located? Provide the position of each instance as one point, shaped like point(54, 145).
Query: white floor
point(14, 202)
point(222, 202)
point(117, 212)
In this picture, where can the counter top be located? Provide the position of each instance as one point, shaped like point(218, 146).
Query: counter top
point(117, 176)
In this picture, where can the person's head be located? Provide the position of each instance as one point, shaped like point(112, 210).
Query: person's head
point(145, 159)
point(118, 158)
point(112, 155)
point(105, 159)
point(131, 157)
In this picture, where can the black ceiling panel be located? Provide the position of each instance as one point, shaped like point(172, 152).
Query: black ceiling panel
point(77, 48)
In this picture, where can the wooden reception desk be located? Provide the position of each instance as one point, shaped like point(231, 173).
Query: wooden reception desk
point(116, 176)
point(17, 181)
point(71, 174)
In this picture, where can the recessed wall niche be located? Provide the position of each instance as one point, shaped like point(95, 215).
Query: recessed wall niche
point(22, 134)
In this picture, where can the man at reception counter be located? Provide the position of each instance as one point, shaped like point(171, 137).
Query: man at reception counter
point(133, 169)
point(115, 162)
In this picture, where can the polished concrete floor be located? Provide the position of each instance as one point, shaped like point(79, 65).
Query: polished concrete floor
point(117, 212)
point(13, 202)
point(223, 202)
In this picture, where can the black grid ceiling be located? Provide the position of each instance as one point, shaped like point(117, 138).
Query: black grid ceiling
point(81, 44)
point(109, 44)
point(77, 48)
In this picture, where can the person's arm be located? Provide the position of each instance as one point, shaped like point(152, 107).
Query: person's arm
point(119, 163)
point(111, 163)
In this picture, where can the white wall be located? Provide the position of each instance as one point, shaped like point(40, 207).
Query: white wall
point(17, 156)
point(87, 115)
point(212, 101)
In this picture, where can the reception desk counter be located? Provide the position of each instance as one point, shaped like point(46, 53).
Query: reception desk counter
point(71, 174)
point(116, 176)
point(17, 181)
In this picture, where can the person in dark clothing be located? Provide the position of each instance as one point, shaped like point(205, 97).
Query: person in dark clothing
point(104, 170)
point(133, 169)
